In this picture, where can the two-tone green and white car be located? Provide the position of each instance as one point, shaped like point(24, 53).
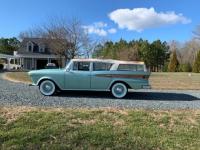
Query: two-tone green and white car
point(95, 75)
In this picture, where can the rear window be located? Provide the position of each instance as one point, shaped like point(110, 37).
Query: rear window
point(99, 66)
point(130, 67)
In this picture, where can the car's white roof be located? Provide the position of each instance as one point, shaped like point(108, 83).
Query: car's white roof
point(109, 61)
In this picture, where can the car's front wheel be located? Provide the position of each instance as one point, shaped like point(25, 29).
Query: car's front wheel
point(47, 87)
point(119, 90)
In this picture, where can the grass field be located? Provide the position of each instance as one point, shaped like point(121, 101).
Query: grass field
point(35, 128)
point(18, 77)
point(181, 81)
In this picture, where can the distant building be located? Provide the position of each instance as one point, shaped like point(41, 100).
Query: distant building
point(35, 53)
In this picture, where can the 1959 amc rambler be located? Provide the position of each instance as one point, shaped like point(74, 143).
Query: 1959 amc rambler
point(93, 74)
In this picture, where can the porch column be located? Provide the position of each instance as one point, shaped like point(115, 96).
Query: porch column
point(8, 60)
point(32, 64)
point(63, 62)
point(20, 61)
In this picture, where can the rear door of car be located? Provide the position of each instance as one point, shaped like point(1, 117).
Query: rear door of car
point(101, 75)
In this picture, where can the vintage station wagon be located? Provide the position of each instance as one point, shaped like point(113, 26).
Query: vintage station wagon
point(93, 74)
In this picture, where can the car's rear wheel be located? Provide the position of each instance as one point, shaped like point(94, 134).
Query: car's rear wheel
point(47, 87)
point(119, 90)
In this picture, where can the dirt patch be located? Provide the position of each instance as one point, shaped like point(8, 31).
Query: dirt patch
point(6, 77)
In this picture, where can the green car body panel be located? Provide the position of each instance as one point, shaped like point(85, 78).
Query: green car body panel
point(69, 79)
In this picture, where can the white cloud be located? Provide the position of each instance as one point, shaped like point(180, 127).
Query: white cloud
point(139, 19)
point(93, 30)
point(99, 28)
point(112, 31)
point(100, 24)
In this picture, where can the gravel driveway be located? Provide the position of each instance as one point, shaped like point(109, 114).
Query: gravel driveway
point(18, 94)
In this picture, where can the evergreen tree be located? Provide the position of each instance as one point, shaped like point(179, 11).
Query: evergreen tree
point(8, 45)
point(173, 63)
point(196, 65)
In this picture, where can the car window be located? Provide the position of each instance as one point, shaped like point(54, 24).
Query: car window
point(140, 67)
point(81, 66)
point(130, 67)
point(99, 66)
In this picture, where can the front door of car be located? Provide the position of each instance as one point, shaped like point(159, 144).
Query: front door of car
point(79, 76)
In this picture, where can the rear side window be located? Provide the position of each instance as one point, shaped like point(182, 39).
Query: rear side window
point(99, 66)
point(140, 67)
point(81, 66)
point(130, 67)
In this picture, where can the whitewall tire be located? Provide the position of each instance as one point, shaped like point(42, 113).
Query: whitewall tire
point(47, 88)
point(119, 90)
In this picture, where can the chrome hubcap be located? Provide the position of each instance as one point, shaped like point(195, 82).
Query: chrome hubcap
point(119, 90)
point(47, 87)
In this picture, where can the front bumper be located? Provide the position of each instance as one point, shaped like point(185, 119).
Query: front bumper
point(32, 85)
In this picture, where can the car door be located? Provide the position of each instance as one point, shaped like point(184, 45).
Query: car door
point(79, 76)
point(100, 75)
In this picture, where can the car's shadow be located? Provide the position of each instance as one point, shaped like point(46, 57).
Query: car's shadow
point(160, 96)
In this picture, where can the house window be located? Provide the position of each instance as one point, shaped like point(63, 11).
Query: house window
point(41, 49)
point(29, 47)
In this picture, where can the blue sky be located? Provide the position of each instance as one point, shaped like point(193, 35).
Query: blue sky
point(107, 19)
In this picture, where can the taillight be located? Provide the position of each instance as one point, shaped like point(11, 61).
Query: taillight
point(146, 77)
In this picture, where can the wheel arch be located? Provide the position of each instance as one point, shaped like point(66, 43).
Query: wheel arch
point(47, 78)
point(120, 81)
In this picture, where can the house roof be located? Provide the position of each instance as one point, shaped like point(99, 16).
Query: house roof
point(37, 55)
point(36, 41)
point(6, 56)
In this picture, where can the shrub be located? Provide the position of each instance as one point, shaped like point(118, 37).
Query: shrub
point(196, 65)
point(185, 67)
point(173, 63)
point(1, 66)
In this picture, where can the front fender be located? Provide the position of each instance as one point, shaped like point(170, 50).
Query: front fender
point(48, 78)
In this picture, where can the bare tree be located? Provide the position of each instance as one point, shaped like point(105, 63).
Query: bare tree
point(190, 50)
point(67, 38)
point(176, 46)
point(186, 52)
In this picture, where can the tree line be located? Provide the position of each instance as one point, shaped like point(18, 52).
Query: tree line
point(155, 54)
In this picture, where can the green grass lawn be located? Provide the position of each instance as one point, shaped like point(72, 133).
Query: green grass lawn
point(181, 81)
point(35, 128)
